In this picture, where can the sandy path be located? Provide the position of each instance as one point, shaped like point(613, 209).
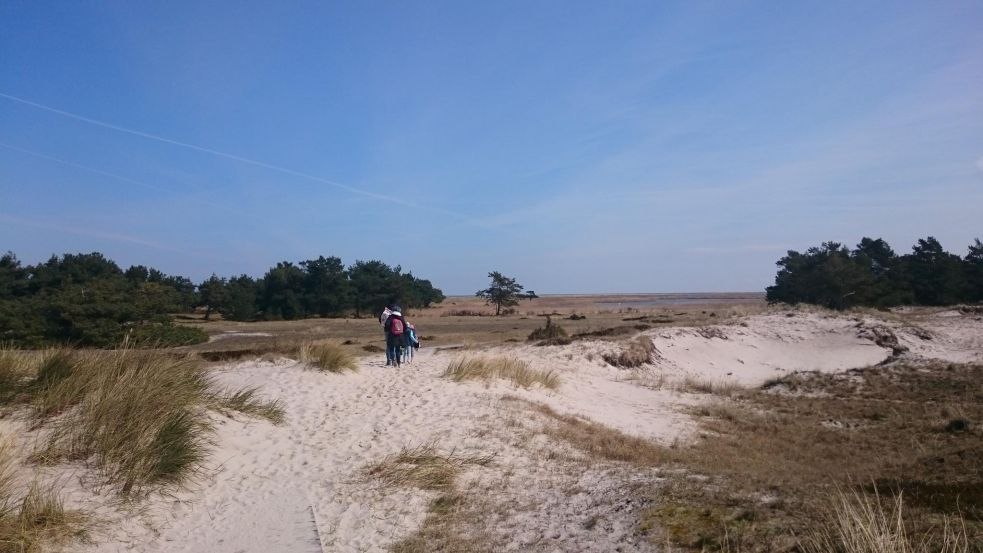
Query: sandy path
point(268, 479)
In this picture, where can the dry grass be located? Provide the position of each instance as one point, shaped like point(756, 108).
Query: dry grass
point(248, 402)
point(856, 522)
point(765, 464)
point(423, 467)
point(38, 520)
point(602, 441)
point(138, 417)
point(327, 356)
point(695, 385)
point(15, 368)
point(634, 354)
point(442, 331)
point(507, 368)
point(447, 527)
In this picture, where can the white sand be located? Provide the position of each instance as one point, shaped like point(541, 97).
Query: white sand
point(298, 487)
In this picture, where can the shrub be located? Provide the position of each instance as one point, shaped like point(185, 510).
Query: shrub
point(327, 356)
point(637, 353)
point(550, 334)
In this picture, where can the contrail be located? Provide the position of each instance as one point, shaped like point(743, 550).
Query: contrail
point(111, 175)
point(233, 157)
point(91, 233)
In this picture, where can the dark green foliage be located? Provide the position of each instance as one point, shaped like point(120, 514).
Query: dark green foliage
point(873, 275)
point(211, 294)
point(240, 299)
point(503, 292)
point(326, 288)
point(87, 300)
point(374, 285)
point(974, 270)
point(84, 299)
point(282, 292)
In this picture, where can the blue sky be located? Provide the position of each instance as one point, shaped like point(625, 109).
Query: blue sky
point(579, 146)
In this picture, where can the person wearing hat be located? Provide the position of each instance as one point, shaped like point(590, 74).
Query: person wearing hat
point(395, 327)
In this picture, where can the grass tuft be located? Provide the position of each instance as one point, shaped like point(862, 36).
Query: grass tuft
point(507, 368)
point(327, 356)
point(696, 385)
point(38, 520)
point(856, 522)
point(16, 368)
point(139, 416)
point(423, 467)
point(246, 401)
point(635, 354)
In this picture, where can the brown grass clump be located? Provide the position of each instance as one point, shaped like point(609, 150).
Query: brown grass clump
point(423, 467)
point(35, 521)
point(696, 385)
point(448, 526)
point(327, 356)
point(865, 523)
point(247, 402)
point(507, 368)
point(635, 354)
point(602, 441)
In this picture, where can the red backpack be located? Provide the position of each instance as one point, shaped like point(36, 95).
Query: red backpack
point(397, 327)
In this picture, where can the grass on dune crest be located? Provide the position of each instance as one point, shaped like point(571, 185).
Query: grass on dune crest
point(139, 417)
point(327, 356)
point(507, 368)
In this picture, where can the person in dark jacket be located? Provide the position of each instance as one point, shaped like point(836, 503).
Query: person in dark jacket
point(395, 336)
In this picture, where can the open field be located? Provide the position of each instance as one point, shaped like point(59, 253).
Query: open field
point(742, 427)
point(444, 326)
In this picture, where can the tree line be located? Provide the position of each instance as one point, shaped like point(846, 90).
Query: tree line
point(872, 274)
point(87, 299)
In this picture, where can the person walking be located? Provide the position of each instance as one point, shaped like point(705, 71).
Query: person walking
point(411, 343)
point(395, 327)
point(382, 321)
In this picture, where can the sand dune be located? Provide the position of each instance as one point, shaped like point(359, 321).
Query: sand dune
point(300, 486)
